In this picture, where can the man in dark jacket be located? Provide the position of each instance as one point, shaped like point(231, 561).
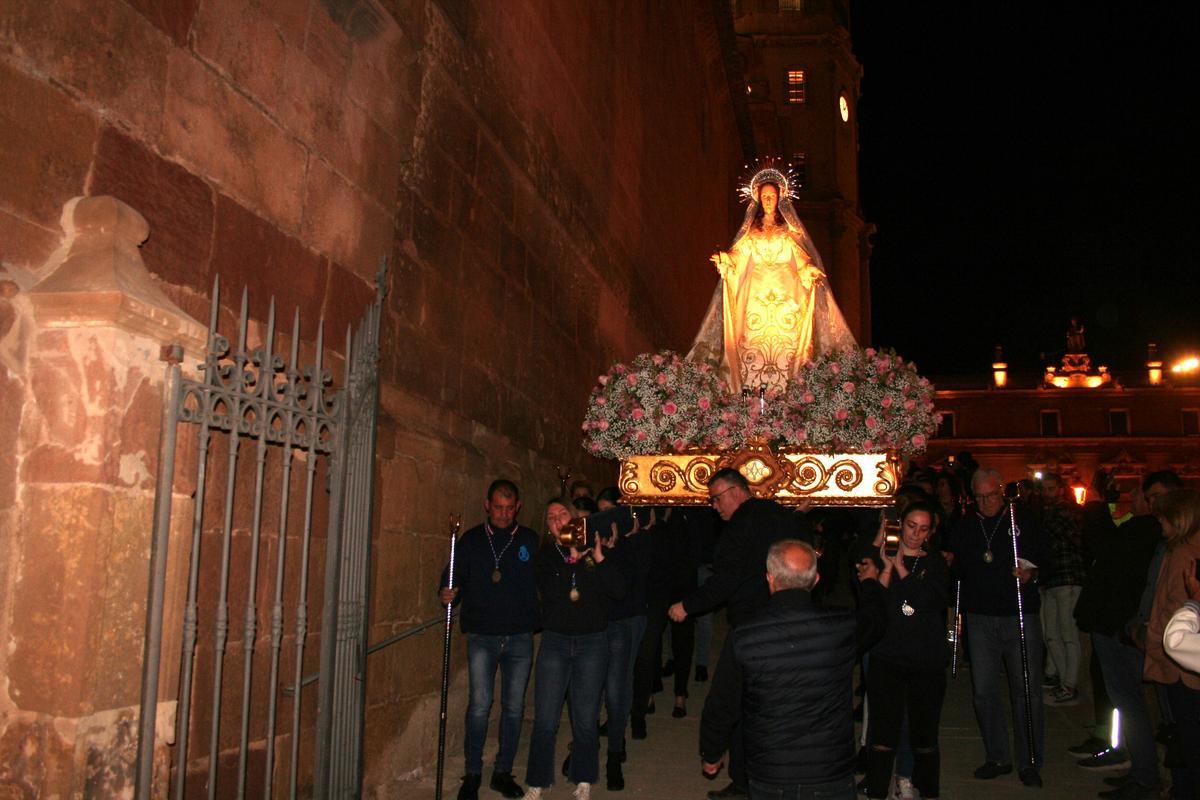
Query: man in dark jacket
point(787, 675)
point(1111, 593)
point(751, 527)
point(982, 544)
point(495, 584)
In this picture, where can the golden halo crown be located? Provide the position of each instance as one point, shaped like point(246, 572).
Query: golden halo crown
point(749, 192)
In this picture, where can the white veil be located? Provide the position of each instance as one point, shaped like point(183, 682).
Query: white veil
point(830, 331)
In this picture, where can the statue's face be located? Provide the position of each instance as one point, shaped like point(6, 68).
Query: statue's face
point(768, 198)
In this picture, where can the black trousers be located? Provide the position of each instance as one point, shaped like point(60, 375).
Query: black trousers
point(892, 691)
point(649, 658)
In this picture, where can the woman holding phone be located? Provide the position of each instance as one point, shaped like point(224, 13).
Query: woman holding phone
point(907, 675)
point(576, 585)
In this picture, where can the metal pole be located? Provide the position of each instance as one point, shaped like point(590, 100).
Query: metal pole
point(156, 594)
point(956, 630)
point(1012, 516)
point(455, 525)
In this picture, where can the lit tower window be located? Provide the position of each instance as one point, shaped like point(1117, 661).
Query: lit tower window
point(797, 87)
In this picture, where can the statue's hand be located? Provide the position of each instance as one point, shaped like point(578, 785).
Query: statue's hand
point(722, 262)
point(811, 276)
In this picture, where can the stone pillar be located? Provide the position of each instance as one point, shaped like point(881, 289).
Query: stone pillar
point(81, 396)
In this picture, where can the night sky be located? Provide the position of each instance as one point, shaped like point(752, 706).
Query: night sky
point(1023, 165)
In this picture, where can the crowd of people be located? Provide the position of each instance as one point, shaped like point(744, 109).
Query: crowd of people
point(1013, 581)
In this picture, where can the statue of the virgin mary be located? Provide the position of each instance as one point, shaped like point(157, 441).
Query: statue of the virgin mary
point(772, 310)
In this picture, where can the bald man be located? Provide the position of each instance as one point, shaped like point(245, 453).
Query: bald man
point(787, 674)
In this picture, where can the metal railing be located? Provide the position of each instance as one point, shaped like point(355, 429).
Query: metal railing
point(391, 640)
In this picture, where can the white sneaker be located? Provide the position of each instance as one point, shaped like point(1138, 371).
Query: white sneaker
point(534, 793)
point(904, 789)
point(583, 791)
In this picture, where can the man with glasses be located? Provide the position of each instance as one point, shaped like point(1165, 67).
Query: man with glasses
point(982, 543)
point(738, 581)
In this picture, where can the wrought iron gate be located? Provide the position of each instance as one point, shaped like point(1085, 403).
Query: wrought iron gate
point(294, 423)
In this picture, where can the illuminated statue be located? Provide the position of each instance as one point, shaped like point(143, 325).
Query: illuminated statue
point(772, 310)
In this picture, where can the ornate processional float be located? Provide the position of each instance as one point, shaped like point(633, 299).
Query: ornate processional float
point(774, 385)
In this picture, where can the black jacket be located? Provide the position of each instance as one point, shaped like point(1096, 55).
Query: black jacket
point(1117, 575)
point(499, 608)
point(740, 562)
point(988, 587)
point(787, 674)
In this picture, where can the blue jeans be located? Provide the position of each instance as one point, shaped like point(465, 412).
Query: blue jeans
point(994, 642)
point(581, 663)
point(1122, 668)
point(624, 638)
point(835, 790)
point(514, 656)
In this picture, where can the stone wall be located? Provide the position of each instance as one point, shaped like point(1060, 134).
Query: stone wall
point(547, 180)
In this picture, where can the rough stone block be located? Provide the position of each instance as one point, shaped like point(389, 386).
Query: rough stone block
point(252, 252)
point(177, 204)
point(327, 44)
point(395, 565)
point(239, 40)
point(346, 301)
point(172, 17)
point(225, 137)
point(25, 245)
point(340, 221)
point(105, 50)
point(377, 69)
point(54, 614)
point(41, 171)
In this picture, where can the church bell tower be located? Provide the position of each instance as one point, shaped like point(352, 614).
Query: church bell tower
point(802, 86)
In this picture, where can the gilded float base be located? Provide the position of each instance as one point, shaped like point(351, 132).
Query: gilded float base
point(789, 476)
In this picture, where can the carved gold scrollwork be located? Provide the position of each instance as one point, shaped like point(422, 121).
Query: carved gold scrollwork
point(629, 478)
point(664, 475)
point(886, 483)
point(694, 475)
point(847, 475)
point(698, 472)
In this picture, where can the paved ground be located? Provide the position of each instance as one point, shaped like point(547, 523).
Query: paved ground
point(666, 765)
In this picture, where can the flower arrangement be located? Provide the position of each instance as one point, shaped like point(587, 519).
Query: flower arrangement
point(658, 403)
point(853, 400)
point(864, 400)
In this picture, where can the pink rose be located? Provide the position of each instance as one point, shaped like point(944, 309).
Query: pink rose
point(669, 407)
point(678, 444)
point(918, 440)
point(641, 436)
point(872, 423)
point(841, 414)
point(638, 413)
point(909, 405)
point(886, 402)
point(809, 397)
point(603, 380)
point(835, 368)
point(801, 435)
point(722, 431)
point(868, 445)
point(618, 369)
point(869, 352)
point(848, 387)
point(601, 401)
point(657, 359)
point(704, 403)
point(594, 447)
point(631, 379)
point(662, 379)
point(602, 424)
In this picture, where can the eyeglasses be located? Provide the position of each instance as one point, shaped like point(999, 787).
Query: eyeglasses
point(712, 499)
point(988, 496)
